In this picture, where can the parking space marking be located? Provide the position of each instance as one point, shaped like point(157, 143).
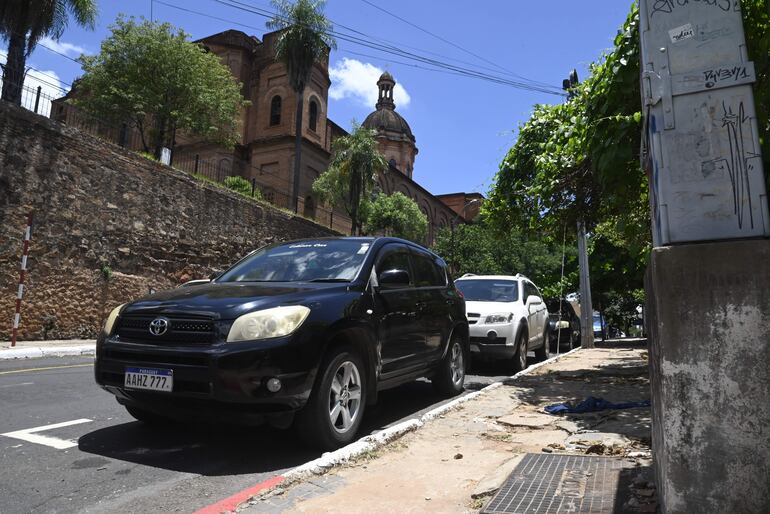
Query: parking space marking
point(17, 385)
point(46, 368)
point(30, 434)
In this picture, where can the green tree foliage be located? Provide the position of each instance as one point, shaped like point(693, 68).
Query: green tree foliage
point(242, 186)
point(579, 160)
point(477, 248)
point(396, 215)
point(151, 76)
point(350, 180)
point(305, 37)
point(23, 23)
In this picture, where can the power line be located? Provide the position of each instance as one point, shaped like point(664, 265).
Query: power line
point(468, 72)
point(58, 53)
point(426, 31)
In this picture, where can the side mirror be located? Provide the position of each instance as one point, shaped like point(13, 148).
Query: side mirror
point(534, 300)
point(215, 274)
point(393, 278)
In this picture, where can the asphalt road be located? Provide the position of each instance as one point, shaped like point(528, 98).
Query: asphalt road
point(99, 459)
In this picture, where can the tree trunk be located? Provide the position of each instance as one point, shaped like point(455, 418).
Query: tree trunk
point(160, 137)
point(355, 201)
point(13, 72)
point(297, 151)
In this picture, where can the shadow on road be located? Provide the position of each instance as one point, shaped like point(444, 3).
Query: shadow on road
point(208, 451)
point(233, 450)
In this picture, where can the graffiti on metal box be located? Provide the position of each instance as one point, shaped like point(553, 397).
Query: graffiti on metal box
point(669, 6)
point(718, 75)
point(740, 162)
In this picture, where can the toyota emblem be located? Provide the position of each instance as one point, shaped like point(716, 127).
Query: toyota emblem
point(158, 326)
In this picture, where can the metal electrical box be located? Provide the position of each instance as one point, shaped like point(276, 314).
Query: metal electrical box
point(701, 139)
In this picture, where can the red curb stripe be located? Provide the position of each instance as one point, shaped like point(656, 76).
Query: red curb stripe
point(231, 503)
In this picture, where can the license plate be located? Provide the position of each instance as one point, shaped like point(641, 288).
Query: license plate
point(475, 348)
point(150, 379)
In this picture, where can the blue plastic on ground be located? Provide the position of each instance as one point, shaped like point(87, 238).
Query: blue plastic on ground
point(592, 404)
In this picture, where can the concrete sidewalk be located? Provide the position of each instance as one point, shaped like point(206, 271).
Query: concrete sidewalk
point(37, 349)
point(457, 462)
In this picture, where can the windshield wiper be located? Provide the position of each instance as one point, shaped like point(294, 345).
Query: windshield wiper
point(329, 280)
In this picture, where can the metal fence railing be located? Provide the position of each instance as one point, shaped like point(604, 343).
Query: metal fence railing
point(269, 186)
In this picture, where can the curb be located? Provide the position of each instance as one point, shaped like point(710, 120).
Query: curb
point(36, 352)
point(367, 443)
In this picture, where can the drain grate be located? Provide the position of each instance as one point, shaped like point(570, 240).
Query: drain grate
point(548, 483)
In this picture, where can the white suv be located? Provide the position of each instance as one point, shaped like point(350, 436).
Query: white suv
point(507, 317)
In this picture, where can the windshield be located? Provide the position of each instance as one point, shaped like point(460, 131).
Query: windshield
point(489, 290)
point(303, 261)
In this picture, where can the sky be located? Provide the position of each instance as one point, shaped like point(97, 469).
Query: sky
point(464, 126)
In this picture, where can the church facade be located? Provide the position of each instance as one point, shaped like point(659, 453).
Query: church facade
point(268, 129)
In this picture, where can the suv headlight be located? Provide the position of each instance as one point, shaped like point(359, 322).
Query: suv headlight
point(111, 319)
point(498, 318)
point(275, 322)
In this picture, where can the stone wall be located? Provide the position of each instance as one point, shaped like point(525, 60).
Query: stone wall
point(709, 327)
point(109, 225)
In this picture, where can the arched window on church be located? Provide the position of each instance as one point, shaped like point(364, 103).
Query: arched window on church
point(275, 111)
point(313, 123)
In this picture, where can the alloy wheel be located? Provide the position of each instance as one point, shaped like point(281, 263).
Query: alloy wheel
point(523, 352)
point(456, 364)
point(345, 397)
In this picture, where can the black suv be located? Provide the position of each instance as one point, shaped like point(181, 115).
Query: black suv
point(314, 328)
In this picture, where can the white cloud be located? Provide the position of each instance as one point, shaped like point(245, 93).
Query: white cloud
point(62, 47)
point(358, 80)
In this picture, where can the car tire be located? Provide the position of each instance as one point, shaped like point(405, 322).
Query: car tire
point(333, 414)
point(450, 378)
point(520, 357)
point(146, 417)
point(544, 352)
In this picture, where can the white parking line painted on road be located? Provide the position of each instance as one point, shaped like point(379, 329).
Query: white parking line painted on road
point(30, 434)
point(17, 385)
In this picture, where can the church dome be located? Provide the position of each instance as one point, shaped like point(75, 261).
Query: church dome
point(389, 121)
point(385, 118)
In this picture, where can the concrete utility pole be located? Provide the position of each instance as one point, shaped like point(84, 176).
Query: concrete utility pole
point(586, 306)
point(708, 307)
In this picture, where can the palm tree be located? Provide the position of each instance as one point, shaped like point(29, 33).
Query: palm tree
point(25, 22)
point(304, 38)
point(351, 178)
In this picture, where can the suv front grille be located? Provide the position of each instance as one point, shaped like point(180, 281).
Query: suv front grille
point(181, 331)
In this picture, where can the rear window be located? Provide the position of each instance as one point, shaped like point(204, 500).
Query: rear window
point(486, 290)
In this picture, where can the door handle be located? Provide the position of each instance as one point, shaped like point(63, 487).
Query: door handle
point(420, 305)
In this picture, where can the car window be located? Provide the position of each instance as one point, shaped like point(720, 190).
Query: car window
point(530, 290)
point(393, 257)
point(487, 290)
point(427, 272)
point(302, 261)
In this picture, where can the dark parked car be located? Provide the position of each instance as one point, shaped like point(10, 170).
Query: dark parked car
point(314, 328)
point(564, 327)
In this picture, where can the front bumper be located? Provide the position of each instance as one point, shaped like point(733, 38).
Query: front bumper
point(494, 341)
point(221, 379)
